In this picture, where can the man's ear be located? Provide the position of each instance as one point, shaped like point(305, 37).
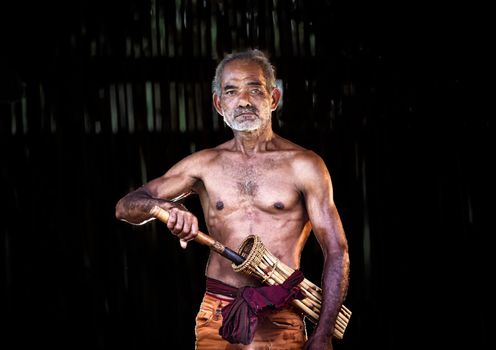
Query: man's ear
point(276, 97)
point(217, 103)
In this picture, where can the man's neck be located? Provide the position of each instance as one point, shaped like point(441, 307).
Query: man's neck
point(251, 142)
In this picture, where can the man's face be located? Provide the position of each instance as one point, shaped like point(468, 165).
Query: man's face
point(245, 102)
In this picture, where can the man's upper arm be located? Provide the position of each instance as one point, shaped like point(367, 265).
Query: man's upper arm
point(179, 179)
point(316, 186)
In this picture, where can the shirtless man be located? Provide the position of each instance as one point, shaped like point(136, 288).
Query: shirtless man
point(256, 183)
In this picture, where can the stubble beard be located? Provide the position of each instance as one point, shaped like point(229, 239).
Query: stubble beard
point(245, 125)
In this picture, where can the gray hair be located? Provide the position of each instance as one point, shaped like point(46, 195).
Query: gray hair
point(255, 56)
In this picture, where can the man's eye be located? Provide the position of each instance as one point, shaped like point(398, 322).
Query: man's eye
point(230, 92)
point(256, 91)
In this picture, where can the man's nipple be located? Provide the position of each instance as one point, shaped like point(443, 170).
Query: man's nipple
point(279, 205)
point(219, 205)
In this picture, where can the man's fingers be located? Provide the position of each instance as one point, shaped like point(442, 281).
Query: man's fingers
point(183, 243)
point(190, 229)
point(184, 225)
point(179, 226)
point(172, 219)
point(194, 226)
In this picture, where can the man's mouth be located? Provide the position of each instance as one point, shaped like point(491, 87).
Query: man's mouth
point(246, 113)
point(246, 116)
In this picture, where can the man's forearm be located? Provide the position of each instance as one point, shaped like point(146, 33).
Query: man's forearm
point(135, 207)
point(334, 288)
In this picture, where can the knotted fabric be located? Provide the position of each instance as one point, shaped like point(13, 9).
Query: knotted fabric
point(240, 317)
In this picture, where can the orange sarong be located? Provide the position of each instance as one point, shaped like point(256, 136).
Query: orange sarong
point(282, 329)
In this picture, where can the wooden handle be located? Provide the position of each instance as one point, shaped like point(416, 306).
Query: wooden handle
point(163, 215)
point(202, 238)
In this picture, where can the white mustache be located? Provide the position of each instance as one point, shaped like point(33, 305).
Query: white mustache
point(240, 111)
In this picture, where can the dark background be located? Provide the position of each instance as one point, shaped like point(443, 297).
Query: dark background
point(97, 98)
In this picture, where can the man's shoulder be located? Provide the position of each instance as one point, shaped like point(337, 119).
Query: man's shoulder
point(203, 155)
point(208, 154)
point(283, 144)
point(228, 145)
point(298, 152)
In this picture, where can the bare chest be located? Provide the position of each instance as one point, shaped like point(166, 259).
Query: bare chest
point(264, 184)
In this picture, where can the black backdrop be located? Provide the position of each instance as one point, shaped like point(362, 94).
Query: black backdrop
point(99, 97)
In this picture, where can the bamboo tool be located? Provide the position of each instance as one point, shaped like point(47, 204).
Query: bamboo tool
point(263, 265)
point(202, 238)
point(255, 260)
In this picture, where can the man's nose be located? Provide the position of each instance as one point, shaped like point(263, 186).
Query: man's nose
point(244, 99)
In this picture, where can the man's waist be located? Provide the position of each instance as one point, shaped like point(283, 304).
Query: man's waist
point(220, 296)
point(220, 289)
point(223, 290)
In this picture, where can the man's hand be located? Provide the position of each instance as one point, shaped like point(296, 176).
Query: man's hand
point(183, 224)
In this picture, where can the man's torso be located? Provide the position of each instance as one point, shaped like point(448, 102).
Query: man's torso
point(259, 195)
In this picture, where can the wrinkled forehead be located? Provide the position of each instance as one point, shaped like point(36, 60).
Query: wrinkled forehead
point(243, 72)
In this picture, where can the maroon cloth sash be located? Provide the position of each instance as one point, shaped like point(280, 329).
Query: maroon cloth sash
point(240, 317)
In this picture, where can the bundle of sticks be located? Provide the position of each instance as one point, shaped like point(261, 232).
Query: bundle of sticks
point(267, 268)
point(255, 260)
